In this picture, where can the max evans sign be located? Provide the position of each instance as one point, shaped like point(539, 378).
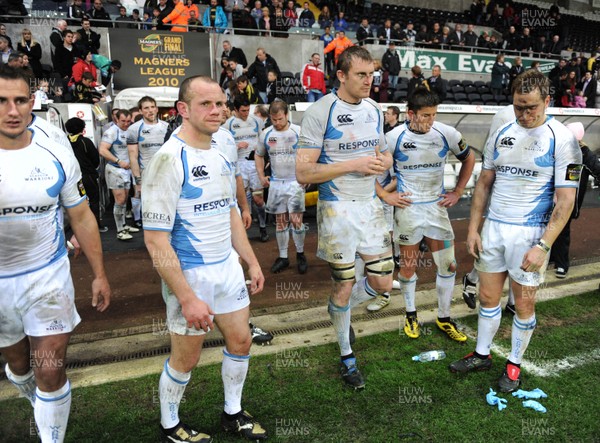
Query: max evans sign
point(155, 58)
point(465, 62)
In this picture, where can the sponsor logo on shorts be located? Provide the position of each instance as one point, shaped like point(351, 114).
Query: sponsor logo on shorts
point(345, 119)
point(56, 325)
point(37, 174)
point(243, 294)
point(338, 256)
point(403, 237)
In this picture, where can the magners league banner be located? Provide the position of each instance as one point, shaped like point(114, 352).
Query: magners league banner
point(158, 58)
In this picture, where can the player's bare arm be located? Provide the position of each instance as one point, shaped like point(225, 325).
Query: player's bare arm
point(451, 198)
point(565, 200)
point(240, 195)
point(104, 151)
point(260, 169)
point(133, 151)
point(392, 197)
point(479, 201)
point(165, 261)
point(85, 228)
point(240, 243)
point(309, 171)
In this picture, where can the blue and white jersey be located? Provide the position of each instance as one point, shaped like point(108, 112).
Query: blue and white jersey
point(245, 131)
point(529, 165)
point(189, 192)
point(419, 159)
point(41, 126)
point(34, 183)
point(117, 139)
point(281, 146)
point(344, 131)
point(224, 142)
point(148, 137)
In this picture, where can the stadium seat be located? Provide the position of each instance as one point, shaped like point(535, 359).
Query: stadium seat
point(287, 74)
point(470, 89)
point(400, 96)
point(460, 97)
point(478, 84)
point(466, 83)
point(449, 177)
point(483, 89)
point(448, 101)
point(488, 99)
point(452, 83)
point(457, 88)
point(402, 86)
point(474, 96)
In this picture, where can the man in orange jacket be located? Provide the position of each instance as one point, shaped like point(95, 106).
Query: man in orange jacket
point(179, 17)
point(338, 45)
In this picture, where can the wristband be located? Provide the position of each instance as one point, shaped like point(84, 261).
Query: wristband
point(138, 180)
point(543, 246)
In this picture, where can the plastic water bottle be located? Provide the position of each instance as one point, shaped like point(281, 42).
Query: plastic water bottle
point(429, 356)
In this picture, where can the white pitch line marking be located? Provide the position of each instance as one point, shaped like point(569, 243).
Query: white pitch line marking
point(550, 369)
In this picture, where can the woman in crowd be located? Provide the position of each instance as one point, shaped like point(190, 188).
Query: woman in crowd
point(33, 50)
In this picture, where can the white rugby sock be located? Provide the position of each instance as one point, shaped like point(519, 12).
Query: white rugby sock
point(522, 330)
point(473, 276)
point(298, 236)
point(361, 292)
point(444, 285)
point(170, 391)
point(487, 326)
point(340, 317)
point(51, 413)
point(408, 289)
point(136, 208)
point(233, 373)
point(283, 240)
point(359, 268)
point(262, 216)
point(119, 214)
point(24, 383)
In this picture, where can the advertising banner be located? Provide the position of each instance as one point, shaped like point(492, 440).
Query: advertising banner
point(158, 58)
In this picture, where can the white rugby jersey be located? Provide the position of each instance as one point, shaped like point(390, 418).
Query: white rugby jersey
point(281, 146)
point(224, 142)
point(189, 192)
point(117, 139)
point(39, 125)
point(529, 165)
point(344, 131)
point(245, 131)
point(34, 183)
point(419, 159)
point(148, 137)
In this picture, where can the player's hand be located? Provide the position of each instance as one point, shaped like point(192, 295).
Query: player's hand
point(369, 165)
point(474, 244)
point(246, 219)
point(197, 314)
point(265, 181)
point(398, 199)
point(449, 199)
point(76, 246)
point(100, 294)
point(533, 260)
point(243, 145)
point(257, 279)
